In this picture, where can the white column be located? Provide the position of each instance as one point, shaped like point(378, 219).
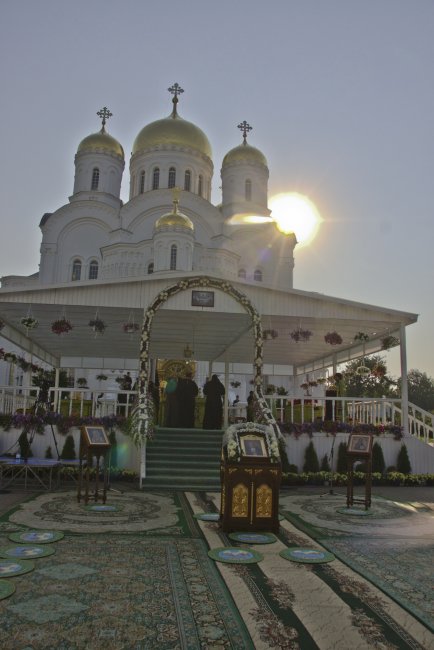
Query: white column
point(404, 382)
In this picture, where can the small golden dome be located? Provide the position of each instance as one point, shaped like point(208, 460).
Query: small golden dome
point(172, 130)
point(101, 142)
point(244, 153)
point(174, 219)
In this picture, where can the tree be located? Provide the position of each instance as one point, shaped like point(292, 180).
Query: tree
point(378, 462)
point(420, 389)
point(403, 463)
point(311, 463)
point(325, 465)
point(342, 465)
point(68, 451)
point(377, 384)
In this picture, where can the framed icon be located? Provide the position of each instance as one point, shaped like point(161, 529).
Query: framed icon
point(253, 446)
point(202, 298)
point(360, 443)
point(95, 436)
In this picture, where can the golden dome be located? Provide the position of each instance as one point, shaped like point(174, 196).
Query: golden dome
point(244, 153)
point(174, 219)
point(172, 130)
point(101, 142)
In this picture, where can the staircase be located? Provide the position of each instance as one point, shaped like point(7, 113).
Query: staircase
point(183, 459)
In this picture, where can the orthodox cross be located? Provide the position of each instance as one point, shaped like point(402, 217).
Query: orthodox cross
point(105, 114)
point(245, 128)
point(175, 90)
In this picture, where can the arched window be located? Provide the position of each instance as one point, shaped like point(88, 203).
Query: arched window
point(150, 268)
point(173, 256)
point(76, 270)
point(95, 179)
point(257, 275)
point(172, 177)
point(93, 270)
point(156, 178)
point(142, 183)
point(242, 274)
point(200, 185)
point(187, 180)
point(248, 190)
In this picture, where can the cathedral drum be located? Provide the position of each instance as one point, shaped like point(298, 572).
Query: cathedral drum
point(250, 477)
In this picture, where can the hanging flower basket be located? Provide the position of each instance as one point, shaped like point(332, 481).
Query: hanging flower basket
point(101, 377)
point(61, 326)
point(270, 334)
point(304, 385)
point(130, 328)
point(363, 371)
point(321, 380)
point(389, 342)
point(97, 325)
point(379, 370)
point(29, 322)
point(300, 334)
point(361, 336)
point(235, 384)
point(333, 338)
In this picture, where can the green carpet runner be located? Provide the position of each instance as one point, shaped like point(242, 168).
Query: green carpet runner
point(184, 459)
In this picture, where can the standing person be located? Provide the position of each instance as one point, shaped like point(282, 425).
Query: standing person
point(187, 391)
point(171, 414)
point(214, 392)
point(250, 409)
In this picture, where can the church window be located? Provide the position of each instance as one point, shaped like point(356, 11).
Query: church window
point(76, 270)
point(150, 268)
point(248, 190)
point(257, 275)
point(93, 270)
point(142, 183)
point(187, 180)
point(156, 179)
point(172, 177)
point(95, 179)
point(242, 274)
point(173, 256)
point(200, 185)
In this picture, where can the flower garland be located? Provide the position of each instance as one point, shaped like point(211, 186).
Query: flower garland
point(231, 439)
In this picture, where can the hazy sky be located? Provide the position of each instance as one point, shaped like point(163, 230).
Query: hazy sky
point(340, 94)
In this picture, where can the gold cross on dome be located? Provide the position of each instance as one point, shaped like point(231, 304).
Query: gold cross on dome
point(175, 90)
point(104, 114)
point(245, 128)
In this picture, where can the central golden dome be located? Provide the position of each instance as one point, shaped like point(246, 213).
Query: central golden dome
point(174, 219)
point(244, 153)
point(172, 130)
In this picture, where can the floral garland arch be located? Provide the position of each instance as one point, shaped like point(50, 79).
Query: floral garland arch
point(144, 426)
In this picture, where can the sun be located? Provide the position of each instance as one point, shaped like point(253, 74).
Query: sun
point(295, 213)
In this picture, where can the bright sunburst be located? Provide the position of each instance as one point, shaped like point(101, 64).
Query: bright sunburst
point(295, 213)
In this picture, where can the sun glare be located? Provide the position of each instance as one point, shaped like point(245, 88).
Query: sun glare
point(295, 213)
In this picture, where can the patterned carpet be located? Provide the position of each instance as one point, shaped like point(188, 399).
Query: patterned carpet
point(139, 577)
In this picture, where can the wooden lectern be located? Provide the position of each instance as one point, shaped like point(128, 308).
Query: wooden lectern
point(93, 442)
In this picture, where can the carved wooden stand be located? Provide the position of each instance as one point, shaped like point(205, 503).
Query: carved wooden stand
point(355, 453)
point(93, 442)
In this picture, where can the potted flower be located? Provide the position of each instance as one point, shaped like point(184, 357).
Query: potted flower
point(333, 338)
point(363, 371)
point(130, 327)
point(97, 325)
point(101, 377)
point(81, 382)
point(29, 322)
point(270, 390)
point(361, 336)
point(61, 326)
point(235, 384)
point(281, 390)
point(300, 334)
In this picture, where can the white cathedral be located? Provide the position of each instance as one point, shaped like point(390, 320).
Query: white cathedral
point(96, 236)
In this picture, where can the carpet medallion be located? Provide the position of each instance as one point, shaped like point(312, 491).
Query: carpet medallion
point(26, 551)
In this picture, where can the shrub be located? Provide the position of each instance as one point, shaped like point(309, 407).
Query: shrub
point(68, 451)
point(311, 463)
point(403, 462)
point(24, 444)
point(342, 458)
point(292, 469)
point(325, 465)
point(378, 463)
point(113, 449)
point(48, 452)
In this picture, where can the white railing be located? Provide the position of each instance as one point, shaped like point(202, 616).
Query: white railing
point(352, 410)
point(17, 399)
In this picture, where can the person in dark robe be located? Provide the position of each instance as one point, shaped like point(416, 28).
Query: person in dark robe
point(214, 392)
point(187, 392)
point(171, 412)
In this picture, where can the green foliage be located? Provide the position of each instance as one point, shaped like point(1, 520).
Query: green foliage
point(325, 465)
point(377, 384)
point(48, 452)
point(403, 462)
point(292, 469)
point(342, 458)
point(113, 449)
point(311, 463)
point(24, 445)
point(420, 389)
point(68, 451)
point(378, 462)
